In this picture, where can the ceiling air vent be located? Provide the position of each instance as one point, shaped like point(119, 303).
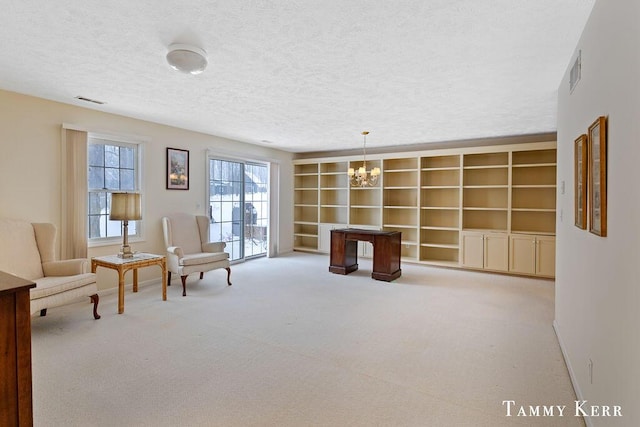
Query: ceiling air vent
point(82, 98)
point(576, 72)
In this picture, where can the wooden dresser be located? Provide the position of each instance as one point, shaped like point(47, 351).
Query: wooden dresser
point(15, 352)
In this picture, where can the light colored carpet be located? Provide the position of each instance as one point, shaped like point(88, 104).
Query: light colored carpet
point(290, 344)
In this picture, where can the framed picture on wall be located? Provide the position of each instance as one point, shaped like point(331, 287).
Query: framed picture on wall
point(597, 174)
point(580, 184)
point(177, 169)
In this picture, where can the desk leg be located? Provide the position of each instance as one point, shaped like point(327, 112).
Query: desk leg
point(120, 291)
point(386, 258)
point(344, 255)
point(135, 280)
point(163, 265)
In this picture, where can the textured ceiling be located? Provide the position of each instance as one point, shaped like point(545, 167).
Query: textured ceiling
point(306, 75)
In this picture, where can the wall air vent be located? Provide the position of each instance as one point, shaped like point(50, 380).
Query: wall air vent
point(82, 98)
point(576, 72)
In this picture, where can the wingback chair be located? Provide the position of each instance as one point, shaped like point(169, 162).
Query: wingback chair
point(27, 250)
point(189, 250)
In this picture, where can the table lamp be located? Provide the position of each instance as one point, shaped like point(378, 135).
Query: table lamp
point(125, 207)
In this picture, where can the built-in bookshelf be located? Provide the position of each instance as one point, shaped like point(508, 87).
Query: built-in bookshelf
point(485, 191)
point(439, 200)
point(533, 192)
point(400, 202)
point(439, 209)
point(305, 206)
point(334, 192)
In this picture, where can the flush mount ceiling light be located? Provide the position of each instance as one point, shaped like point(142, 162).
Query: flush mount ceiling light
point(187, 58)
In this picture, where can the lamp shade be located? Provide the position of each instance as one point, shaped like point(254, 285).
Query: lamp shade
point(125, 206)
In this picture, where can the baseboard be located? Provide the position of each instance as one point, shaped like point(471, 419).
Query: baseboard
point(572, 376)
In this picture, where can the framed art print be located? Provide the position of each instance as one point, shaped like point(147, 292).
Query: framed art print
point(177, 169)
point(597, 176)
point(580, 182)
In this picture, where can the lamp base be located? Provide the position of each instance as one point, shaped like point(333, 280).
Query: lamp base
point(125, 252)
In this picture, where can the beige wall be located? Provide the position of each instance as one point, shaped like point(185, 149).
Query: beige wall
point(597, 278)
point(30, 138)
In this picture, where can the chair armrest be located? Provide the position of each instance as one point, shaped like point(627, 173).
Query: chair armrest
point(213, 247)
point(67, 267)
point(175, 250)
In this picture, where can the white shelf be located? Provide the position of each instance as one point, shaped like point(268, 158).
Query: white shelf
point(469, 208)
point(438, 245)
point(487, 230)
point(451, 168)
point(428, 227)
point(441, 208)
point(409, 243)
point(400, 170)
point(486, 167)
point(534, 186)
point(485, 186)
point(532, 210)
point(535, 165)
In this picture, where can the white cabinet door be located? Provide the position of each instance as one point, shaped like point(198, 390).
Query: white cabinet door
point(546, 256)
point(530, 254)
point(485, 250)
point(522, 253)
point(496, 251)
point(472, 249)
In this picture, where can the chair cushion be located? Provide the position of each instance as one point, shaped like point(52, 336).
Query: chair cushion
point(51, 285)
point(19, 253)
point(203, 258)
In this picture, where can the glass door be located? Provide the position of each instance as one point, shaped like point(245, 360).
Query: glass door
point(256, 209)
point(238, 207)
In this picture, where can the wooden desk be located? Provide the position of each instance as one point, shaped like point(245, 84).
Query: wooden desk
point(386, 252)
point(16, 404)
point(122, 265)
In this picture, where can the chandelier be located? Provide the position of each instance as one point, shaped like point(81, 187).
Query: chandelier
point(362, 177)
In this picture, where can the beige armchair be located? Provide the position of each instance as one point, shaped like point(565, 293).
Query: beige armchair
point(189, 250)
point(27, 250)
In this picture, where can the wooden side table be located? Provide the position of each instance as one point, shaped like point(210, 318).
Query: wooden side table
point(16, 407)
point(122, 265)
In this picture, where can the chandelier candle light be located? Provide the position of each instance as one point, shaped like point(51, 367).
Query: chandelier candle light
point(362, 177)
